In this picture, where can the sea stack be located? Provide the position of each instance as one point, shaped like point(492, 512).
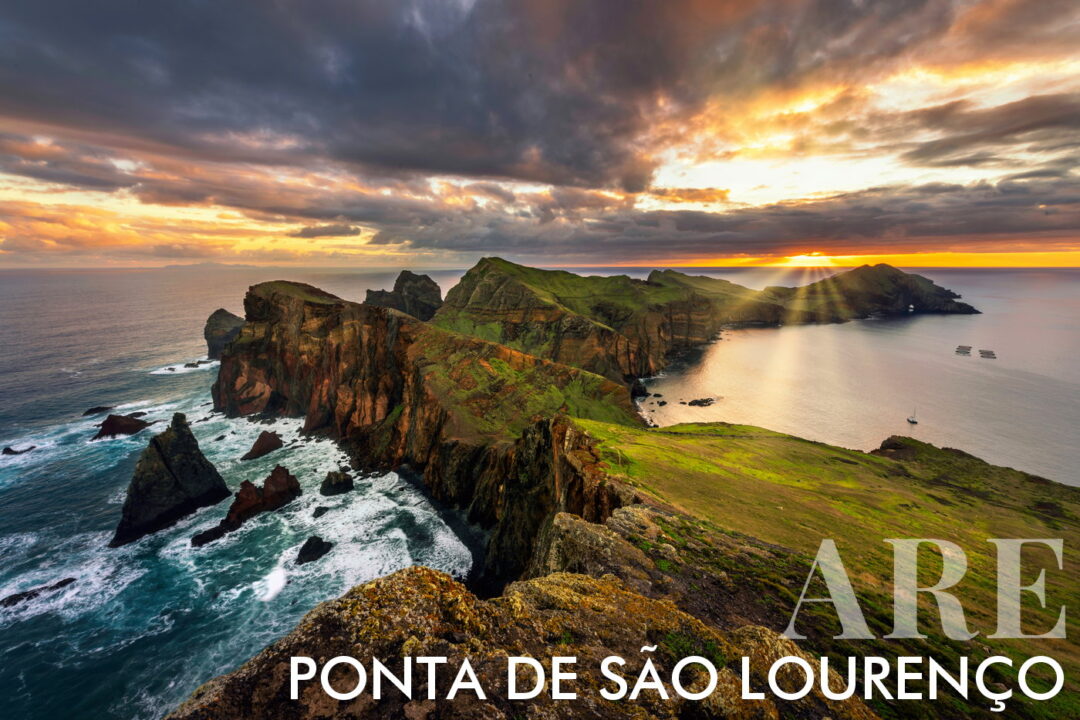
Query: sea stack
point(279, 489)
point(417, 295)
point(221, 328)
point(172, 479)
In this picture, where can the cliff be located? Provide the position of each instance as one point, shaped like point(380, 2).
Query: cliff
point(623, 328)
point(172, 479)
point(221, 328)
point(416, 295)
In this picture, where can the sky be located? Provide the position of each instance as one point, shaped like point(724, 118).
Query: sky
point(430, 133)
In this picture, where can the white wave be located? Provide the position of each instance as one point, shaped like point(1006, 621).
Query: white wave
point(272, 585)
point(180, 369)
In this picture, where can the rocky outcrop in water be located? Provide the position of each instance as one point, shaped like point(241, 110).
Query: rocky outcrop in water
point(279, 489)
point(221, 328)
point(313, 549)
point(336, 483)
point(172, 479)
point(417, 295)
point(266, 443)
point(32, 593)
point(121, 425)
point(8, 450)
point(97, 410)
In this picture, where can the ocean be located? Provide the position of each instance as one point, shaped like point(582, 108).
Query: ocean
point(144, 625)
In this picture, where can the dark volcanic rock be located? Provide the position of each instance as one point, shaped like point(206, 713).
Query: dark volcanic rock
point(97, 410)
point(12, 451)
point(266, 443)
point(221, 328)
point(313, 549)
point(172, 479)
point(121, 425)
point(12, 600)
point(336, 483)
point(417, 295)
point(320, 511)
point(279, 489)
point(702, 402)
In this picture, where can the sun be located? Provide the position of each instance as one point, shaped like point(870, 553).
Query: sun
point(814, 259)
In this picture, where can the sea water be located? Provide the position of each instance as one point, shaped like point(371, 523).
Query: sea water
point(144, 625)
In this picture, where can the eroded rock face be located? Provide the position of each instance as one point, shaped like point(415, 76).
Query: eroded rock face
point(221, 328)
point(266, 443)
point(418, 612)
point(115, 425)
point(417, 295)
point(336, 483)
point(279, 489)
point(172, 479)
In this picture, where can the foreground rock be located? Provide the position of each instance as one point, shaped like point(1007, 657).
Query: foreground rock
point(221, 328)
point(417, 295)
point(121, 425)
point(12, 451)
point(422, 612)
point(172, 479)
point(312, 549)
point(266, 443)
point(279, 489)
point(336, 483)
point(21, 597)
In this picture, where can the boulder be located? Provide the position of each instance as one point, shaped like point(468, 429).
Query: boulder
point(336, 483)
point(279, 489)
point(266, 443)
point(313, 549)
point(12, 451)
point(172, 479)
point(417, 295)
point(97, 410)
point(21, 597)
point(702, 402)
point(121, 425)
point(320, 511)
point(221, 328)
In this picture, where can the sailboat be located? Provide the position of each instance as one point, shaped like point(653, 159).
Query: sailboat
point(913, 420)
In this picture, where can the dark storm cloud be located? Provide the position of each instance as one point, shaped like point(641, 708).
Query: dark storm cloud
point(546, 90)
point(318, 231)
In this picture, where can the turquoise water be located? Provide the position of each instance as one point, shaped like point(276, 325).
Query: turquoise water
point(145, 624)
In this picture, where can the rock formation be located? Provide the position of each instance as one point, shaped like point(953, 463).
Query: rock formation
point(26, 595)
point(279, 489)
point(172, 479)
point(8, 450)
point(221, 328)
point(416, 295)
point(97, 410)
point(266, 443)
point(336, 483)
point(312, 549)
point(121, 425)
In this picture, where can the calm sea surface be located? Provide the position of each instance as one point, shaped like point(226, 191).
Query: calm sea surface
point(144, 625)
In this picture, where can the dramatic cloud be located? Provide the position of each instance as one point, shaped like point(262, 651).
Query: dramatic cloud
point(567, 131)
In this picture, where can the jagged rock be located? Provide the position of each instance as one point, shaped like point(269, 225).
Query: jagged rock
point(702, 402)
point(312, 549)
point(21, 597)
point(266, 443)
point(422, 612)
point(172, 479)
point(417, 295)
point(279, 489)
point(191, 365)
point(221, 328)
point(12, 451)
point(121, 425)
point(97, 410)
point(320, 511)
point(336, 483)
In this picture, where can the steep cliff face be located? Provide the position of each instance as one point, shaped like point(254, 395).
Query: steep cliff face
point(221, 328)
point(473, 417)
point(624, 328)
point(416, 295)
